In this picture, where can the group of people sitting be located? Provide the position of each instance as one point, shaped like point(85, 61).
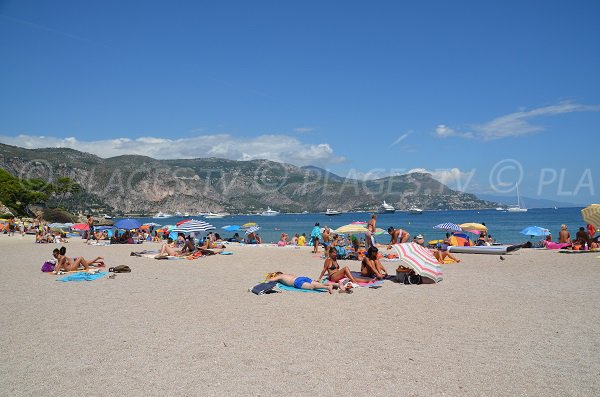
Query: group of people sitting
point(585, 239)
point(184, 246)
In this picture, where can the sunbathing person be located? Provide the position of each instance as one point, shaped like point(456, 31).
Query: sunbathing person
point(67, 264)
point(371, 266)
point(168, 249)
point(336, 273)
point(291, 280)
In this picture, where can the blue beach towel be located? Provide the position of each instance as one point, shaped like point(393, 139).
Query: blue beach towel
point(226, 253)
point(82, 276)
point(287, 288)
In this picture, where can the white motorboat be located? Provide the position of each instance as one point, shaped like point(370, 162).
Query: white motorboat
point(386, 208)
point(332, 212)
point(161, 214)
point(518, 207)
point(214, 215)
point(500, 209)
point(105, 216)
point(186, 214)
point(415, 210)
point(269, 212)
point(177, 213)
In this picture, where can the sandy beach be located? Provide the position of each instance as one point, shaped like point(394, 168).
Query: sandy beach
point(523, 326)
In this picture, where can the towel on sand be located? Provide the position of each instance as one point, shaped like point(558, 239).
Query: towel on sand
point(288, 288)
point(81, 276)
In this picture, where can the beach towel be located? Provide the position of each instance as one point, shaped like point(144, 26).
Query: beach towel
point(226, 253)
point(288, 288)
point(82, 276)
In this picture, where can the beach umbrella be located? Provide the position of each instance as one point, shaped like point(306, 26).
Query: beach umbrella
point(473, 227)
point(359, 223)
point(183, 221)
point(535, 231)
point(252, 229)
point(591, 214)
point(231, 228)
point(249, 224)
point(80, 226)
point(351, 229)
point(420, 260)
point(165, 228)
point(379, 231)
point(448, 226)
point(193, 226)
point(128, 224)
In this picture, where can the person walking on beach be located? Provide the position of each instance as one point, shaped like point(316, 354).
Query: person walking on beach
point(315, 236)
point(370, 233)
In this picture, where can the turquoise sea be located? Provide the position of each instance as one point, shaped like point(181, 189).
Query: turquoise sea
point(503, 226)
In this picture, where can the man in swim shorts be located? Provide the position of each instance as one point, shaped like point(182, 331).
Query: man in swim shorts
point(300, 282)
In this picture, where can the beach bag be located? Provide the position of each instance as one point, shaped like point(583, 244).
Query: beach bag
point(407, 276)
point(120, 269)
point(265, 288)
point(48, 267)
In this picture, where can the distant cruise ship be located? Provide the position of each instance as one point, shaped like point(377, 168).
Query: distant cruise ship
point(386, 208)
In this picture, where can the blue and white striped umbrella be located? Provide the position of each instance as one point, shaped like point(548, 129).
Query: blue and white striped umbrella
point(193, 226)
point(451, 227)
point(252, 229)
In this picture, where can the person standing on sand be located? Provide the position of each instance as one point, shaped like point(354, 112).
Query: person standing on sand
point(326, 238)
point(315, 236)
point(90, 223)
point(564, 236)
point(370, 233)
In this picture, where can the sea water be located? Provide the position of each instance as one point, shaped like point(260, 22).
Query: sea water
point(504, 227)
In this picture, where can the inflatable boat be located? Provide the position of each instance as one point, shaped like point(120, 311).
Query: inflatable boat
point(484, 249)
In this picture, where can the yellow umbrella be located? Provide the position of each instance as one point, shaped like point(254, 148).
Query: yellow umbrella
point(591, 214)
point(350, 229)
point(473, 226)
point(249, 224)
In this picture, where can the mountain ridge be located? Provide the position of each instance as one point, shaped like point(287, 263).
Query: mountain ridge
point(141, 184)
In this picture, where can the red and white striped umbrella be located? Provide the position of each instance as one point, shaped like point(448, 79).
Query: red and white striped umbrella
point(420, 260)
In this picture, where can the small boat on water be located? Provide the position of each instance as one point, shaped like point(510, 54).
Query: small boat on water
point(386, 208)
point(415, 211)
point(214, 215)
point(186, 214)
point(500, 209)
point(161, 215)
point(177, 213)
point(518, 207)
point(269, 212)
point(332, 212)
point(105, 216)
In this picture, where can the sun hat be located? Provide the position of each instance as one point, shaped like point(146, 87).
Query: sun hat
point(419, 236)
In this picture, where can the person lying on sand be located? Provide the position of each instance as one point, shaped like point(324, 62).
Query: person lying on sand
point(300, 282)
point(371, 266)
point(67, 264)
point(336, 273)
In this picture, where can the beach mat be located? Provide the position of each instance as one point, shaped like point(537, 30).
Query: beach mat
point(288, 288)
point(82, 276)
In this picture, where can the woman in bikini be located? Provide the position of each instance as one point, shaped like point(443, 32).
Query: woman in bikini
point(67, 264)
point(336, 273)
point(371, 266)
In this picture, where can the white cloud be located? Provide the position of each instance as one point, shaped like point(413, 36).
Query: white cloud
point(454, 178)
point(279, 148)
point(515, 124)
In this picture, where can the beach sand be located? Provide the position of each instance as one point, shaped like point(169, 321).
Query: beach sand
point(527, 325)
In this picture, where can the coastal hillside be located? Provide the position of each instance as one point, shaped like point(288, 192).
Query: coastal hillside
point(139, 184)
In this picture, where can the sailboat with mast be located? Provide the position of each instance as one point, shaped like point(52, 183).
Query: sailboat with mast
point(518, 207)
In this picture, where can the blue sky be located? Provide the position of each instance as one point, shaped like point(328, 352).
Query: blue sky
point(470, 90)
